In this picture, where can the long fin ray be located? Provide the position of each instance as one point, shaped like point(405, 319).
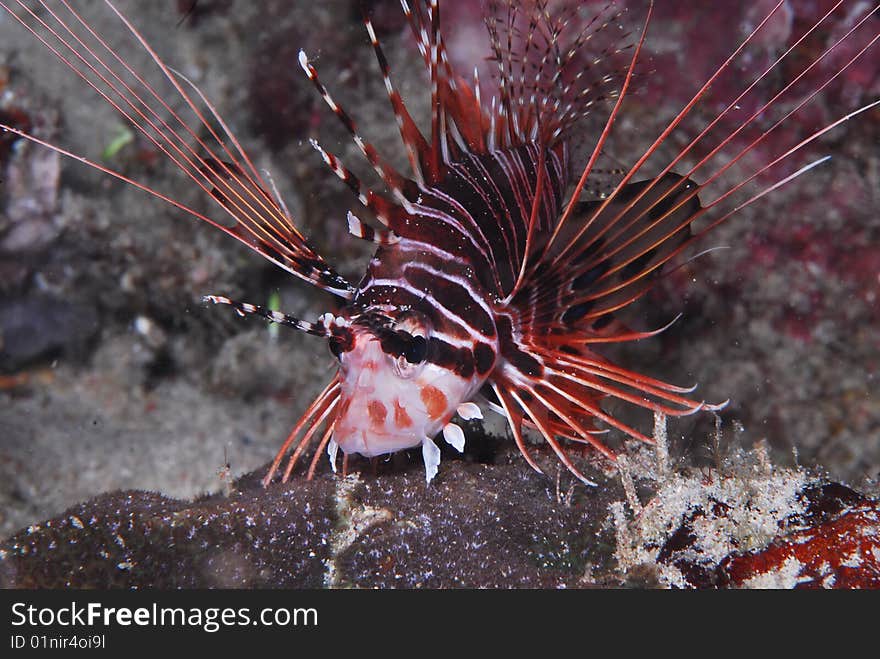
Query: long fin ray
point(221, 173)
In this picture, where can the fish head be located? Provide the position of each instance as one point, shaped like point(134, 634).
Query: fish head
point(396, 390)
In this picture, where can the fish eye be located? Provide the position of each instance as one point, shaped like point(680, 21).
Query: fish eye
point(417, 350)
point(413, 329)
point(409, 362)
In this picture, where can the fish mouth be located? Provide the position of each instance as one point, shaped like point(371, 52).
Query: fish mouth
point(370, 443)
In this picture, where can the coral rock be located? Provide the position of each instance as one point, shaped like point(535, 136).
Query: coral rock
point(840, 549)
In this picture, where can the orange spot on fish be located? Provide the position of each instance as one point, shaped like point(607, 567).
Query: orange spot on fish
point(401, 418)
point(377, 413)
point(434, 400)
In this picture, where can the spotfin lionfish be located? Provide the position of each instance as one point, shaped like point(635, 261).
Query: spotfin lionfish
point(496, 276)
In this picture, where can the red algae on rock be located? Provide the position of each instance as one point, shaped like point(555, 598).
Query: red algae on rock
point(841, 551)
point(749, 524)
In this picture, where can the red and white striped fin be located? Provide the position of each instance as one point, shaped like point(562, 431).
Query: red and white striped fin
point(618, 263)
point(757, 121)
point(320, 328)
point(417, 147)
point(371, 234)
point(533, 97)
point(605, 254)
point(544, 88)
point(459, 123)
point(385, 211)
point(401, 187)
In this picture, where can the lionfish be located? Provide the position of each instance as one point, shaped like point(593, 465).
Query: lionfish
point(497, 276)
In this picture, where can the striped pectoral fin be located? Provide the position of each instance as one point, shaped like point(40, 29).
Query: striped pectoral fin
point(234, 190)
point(558, 389)
point(614, 252)
point(555, 421)
point(262, 223)
point(564, 418)
point(634, 233)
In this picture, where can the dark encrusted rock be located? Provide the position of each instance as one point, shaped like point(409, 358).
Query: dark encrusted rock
point(136, 539)
point(476, 525)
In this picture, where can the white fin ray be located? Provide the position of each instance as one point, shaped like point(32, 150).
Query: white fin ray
point(454, 436)
point(469, 411)
point(332, 450)
point(431, 456)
